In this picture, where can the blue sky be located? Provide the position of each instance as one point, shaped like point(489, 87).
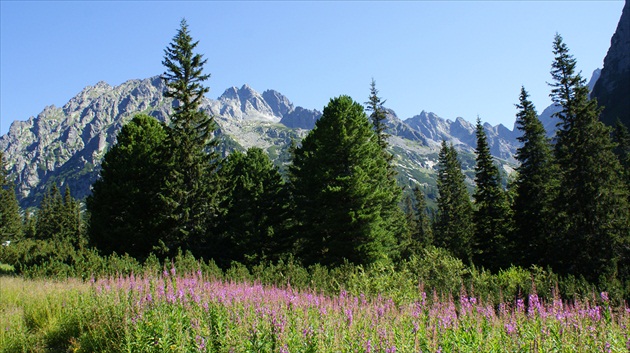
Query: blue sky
point(454, 58)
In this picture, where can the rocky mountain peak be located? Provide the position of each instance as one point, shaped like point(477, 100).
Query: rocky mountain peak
point(280, 104)
point(613, 87)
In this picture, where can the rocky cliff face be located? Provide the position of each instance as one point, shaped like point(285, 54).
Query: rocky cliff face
point(612, 90)
point(65, 145)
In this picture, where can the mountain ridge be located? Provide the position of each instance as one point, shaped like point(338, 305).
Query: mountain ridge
point(65, 145)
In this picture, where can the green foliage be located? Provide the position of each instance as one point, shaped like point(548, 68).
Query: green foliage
point(418, 222)
point(453, 227)
point(190, 194)
point(536, 185)
point(10, 219)
point(59, 219)
point(125, 203)
point(378, 117)
point(593, 204)
point(346, 201)
point(492, 216)
point(621, 138)
point(256, 202)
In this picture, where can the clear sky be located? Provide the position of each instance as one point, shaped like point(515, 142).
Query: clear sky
point(453, 58)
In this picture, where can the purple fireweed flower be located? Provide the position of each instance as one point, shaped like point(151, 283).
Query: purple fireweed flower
point(201, 343)
point(368, 346)
point(510, 327)
point(520, 305)
point(604, 296)
point(534, 305)
point(349, 317)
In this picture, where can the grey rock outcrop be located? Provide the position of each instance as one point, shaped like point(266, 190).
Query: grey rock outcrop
point(612, 90)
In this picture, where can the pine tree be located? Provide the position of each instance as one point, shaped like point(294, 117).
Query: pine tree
point(59, 218)
point(256, 204)
point(593, 202)
point(423, 233)
point(535, 188)
point(344, 196)
point(49, 225)
point(191, 192)
point(492, 210)
point(621, 138)
point(10, 219)
point(125, 203)
point(73, 220)
point(453, 227)
point(378, 116)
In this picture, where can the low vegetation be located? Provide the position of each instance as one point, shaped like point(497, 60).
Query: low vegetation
point(207, 310)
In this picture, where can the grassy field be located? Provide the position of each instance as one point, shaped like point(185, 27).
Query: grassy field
point(193, 313)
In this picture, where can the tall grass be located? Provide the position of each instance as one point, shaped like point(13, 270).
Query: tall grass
point(199, 312)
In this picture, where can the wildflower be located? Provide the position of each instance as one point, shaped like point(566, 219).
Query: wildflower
point(604, 296)
point(510, 327)
point(348, 313)
point(201, 343)
point(520, 305)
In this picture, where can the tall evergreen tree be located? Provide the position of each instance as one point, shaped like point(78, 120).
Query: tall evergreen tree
point(344, 195)
point(535, 188)
point(423, 233)
point(191, 192)
point(256, 204)
point(418, 223)
point(378, 116)
point(453, 227)
point(593, 202)
point(59, 218)
point(10, 219)
point(125, 203)
point(621, 138)
point(492, 211)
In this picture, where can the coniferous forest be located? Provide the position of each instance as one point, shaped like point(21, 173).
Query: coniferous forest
point(335, 220)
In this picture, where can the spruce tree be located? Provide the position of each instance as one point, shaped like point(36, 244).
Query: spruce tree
point(423, 233)
point(378, 116)
point(453, 227)
point(191, 190)
point(10, 219)
point(593, 202)
point(621, 138)
point(256, 204)
point(492, 210)
point(125, 204)
point(345, 200)
point(59, 218)
point(535, 188)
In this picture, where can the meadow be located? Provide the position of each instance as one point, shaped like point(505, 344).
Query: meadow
point(197, 311)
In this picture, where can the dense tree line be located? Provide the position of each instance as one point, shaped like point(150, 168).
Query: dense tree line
point(165, 188)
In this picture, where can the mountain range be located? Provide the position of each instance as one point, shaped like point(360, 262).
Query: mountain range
point(65, 145)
